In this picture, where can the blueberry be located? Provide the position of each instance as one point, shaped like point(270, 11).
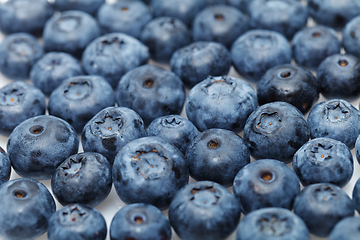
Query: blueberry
point(78, 99)
point(77, 221)
point(149, 170)
point(175, 129)
point(52, 69)
point(38, 145)
point(195, 62)
point(5, 166)
point(288, 83)
point(204, 211)
point(124, 16)
point(89, 6)
point(112, 55)
point(346, 229)
point(336, 119)
point(356, 195)
point(111, 129)
point(19, 101)
point(70, 32)
point(321, 206)
point(18, 53)
point(324, 160)
point(27, 206)
point(140, 221)
point(220, 102)
point(216, 155)
point(82, 178)
point(242, 5)
point(351, 37)
point(272, 223)
point(276, 131)
point(151, 91)
point(256, 51)
point(219, 23)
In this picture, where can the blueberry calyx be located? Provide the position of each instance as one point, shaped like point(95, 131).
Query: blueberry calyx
point(205, 196)
point(109, 47)
point(68, 23)
point(343, 63)
point(219, 86)
point(268, 123)
point(150, 164)
point(22, 47)
point(324, 193)
point(37, 129)
point(78, 90)
point(12, 97)
point(72, 215)
point(337, 112)
point(171, 122)
point(73, 166)
point(320, 152)
point(107, 126)
point(267, 176)
point(261, 42)
point(214, 144)
point(274, 225)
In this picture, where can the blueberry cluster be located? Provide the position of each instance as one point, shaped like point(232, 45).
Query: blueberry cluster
point(179, 119)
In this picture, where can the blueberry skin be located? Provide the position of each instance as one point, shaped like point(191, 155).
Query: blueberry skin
point(79, 98)
point(242, 5)
point(273, 224)
point(288, 83)
point(356, 195)
point(357, 148)
point(78, 222)
point(163, 36)
point(82, 178)
point(276, 130)
point(204, 210)
point(38, 145)
point(256, 51)
point(27, 205)
point(124, 16)
point(70, 32)
point(321, 206)
point(151, 91)
point(111, 129)
point(112, 55)
point(346, 229)
point(195, 62)
point(219, 23)
point(184, 10)
point(351, 37)
point(19, 101)
point(336, 119)
point(5, 166)
point(149, 170)
point(220, 102)
point(324, 160)
point(140, 221)
point(217, 155)
point(24, 16)
point(52, 69)
point(89, 6)
point(175, 129)
point(18, 53)
point(312, 45)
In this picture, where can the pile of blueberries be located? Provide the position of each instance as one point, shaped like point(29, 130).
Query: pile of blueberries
point(138, 96)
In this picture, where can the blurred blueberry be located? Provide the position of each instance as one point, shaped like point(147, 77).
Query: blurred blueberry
point(242, 5)
point(356, 193)
point(89, 6)
point(351, 37)
point(5, 166)
point(346, 229)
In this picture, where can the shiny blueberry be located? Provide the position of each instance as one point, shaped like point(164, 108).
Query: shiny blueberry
point(346, 229)
point(89, 6)
point(351, 37)
point(5, 166)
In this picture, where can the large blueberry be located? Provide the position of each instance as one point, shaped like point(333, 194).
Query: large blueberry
point(346, 229)
point(351, 37)
point(89, 6)
point(5, 166)
point(38, 145)
point(221, 102)
point(149, 170)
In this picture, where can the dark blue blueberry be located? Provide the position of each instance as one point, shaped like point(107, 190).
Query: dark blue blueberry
point(220, 102)
point(5, 166)
point(351, 37)
point(18, 53)
point(26, 207)
point(266, 183)
point(175, 129)
point(24, 16)
point(288, 83)
point(339, 77)
point(204, 211)
point(151, 91)
point(197, 61)
point(38, 145)
point(216, 155)
point(111, 129)
point(272, 223)
point(70, 32)
point(18, 102)
point(52, 69)
point(149, 170)
point(283, 16)
point(163, 36)
point(89, 6)
point(77, 221)
point(124, 16)
point(185, 10)
point(140, 221)
point(312, 45)
point(321, 206)
point(346, 229)
point(356, 194)
point(82, 178)
point(336, 119)
point(256, 51)
point(219, 23)
point(324, 160)
point(112, 55)
point(276, 131)
point(78, 99)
